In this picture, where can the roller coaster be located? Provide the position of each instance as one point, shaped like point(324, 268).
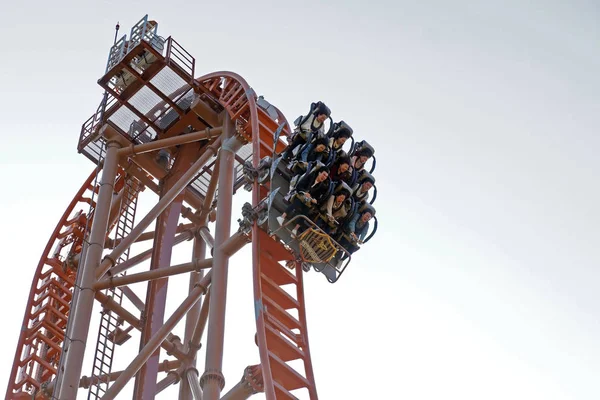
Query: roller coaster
point(193, 143)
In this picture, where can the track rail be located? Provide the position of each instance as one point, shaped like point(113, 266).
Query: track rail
point(42, 331)
point(282, 337)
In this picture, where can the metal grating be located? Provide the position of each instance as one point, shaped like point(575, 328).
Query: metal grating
point(200, 183)
point(168, 82)
point(145, 100)
point(244, 153)
point(123, 118)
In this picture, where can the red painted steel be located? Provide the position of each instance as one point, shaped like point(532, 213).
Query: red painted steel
point(279, 376)
point(42, 332)
point(156, 297)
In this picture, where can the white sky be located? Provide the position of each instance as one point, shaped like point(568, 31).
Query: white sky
point(482, 280)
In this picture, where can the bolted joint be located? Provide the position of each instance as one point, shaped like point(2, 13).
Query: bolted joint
point(249, 215)
point(253, 379)
point(212, 375)
point(250, 174)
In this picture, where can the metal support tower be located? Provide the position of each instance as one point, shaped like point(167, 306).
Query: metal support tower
point(186, 140)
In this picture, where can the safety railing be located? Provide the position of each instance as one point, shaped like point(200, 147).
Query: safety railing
point(315, 247)
point(90, 130)
point(179, 56)
point(147, 31)
point(116, 53)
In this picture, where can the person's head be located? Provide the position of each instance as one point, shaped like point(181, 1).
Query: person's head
point(339, 141)
point(343, 163)
point(366, 181)
point(360, 161)
point(366, 212)
point(320, 144)
point(366, 216)
point(321, 118)
point(342, 192)
point(342, 134)
point(322, 112)
point(343, 167)
point(364, 154)
point(322, 175)
point(366, 186)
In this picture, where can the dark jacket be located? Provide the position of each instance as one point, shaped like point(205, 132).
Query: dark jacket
point(318, 191)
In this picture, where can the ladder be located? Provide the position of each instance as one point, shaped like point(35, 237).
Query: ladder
point(109, 323)
point(281, 323)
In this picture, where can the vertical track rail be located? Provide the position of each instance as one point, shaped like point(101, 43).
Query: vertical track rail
point(282, 334)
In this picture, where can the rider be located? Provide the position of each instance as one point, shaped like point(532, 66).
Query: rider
point(360, 191)
point(340, 170)
point(307, 127)
point(309, 193)
point(340, 135)
point(317, 150)
point(361, 155)
point(335, 209)
point(356, 231)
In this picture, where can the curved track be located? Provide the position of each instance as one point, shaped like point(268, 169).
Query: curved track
point(281, 326)
point(282, 337)
point(43, 329)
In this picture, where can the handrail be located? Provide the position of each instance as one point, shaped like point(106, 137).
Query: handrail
point(312, 225)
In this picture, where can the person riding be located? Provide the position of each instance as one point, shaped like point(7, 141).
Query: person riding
point(335, 209)
point(340, 170)
point(339, 137)
point(360, 191)
point(307, 127)
point(355, 232)
point(317, 150)
point(309, 193)
point(361, 155)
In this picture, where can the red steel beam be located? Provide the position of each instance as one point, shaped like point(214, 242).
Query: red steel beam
point(156, 297)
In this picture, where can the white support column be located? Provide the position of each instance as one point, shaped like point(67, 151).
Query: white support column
point(82, 305)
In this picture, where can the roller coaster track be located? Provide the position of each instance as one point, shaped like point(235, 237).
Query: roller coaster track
point(43, 329)
point(282, 337)
point(281, 325)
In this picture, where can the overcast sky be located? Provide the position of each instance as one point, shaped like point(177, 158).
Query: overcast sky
point(482, 281)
